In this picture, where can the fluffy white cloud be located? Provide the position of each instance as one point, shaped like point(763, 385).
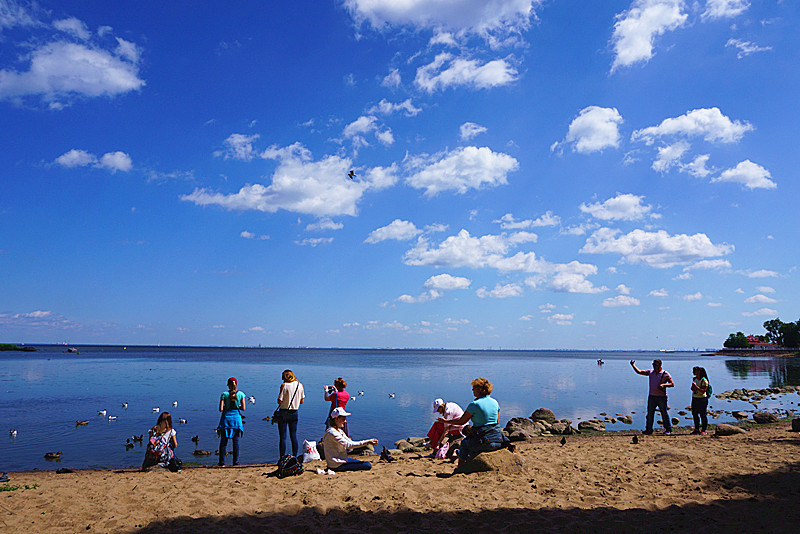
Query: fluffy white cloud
point(717, 9)
point(478, 16)
point(656, 249)
point(763, 312)
point(447, 282)
point(620, 301)
point(765, 289)
point(387, 108)
point(760, 299)
point(561, 319)
point(364, 125)
point(623, 207)
point(468, 130)
point(392, 80)
point(301, 185)
point(669, 156)
point(446, 71)
point(425, 296)
point(636, 29)
point(708, 123)
point(460, 170)
point(60, 70)
point(622, 289)
point(74, 27)
point(111, 161)
point(746, 48)
point(398, 230)
point(698, 166)
point(507, 221)
point(314, 241)
point(693, 297)
point(749, 174)
point(13, 14)
point(709, 265)
point(323, 225)
point(238, 146)
point(501, 291)
point(761, 273)
point(658, 293)
point(250, 235)
point(594, 129)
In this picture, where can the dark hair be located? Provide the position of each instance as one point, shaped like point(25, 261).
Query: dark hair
point(232, 390)
point(702, 370)
point(164, 423)
point(340, 383)
point(657, 361)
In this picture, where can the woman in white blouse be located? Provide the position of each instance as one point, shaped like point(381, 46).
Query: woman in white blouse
point(336, 444)
point(290, 398)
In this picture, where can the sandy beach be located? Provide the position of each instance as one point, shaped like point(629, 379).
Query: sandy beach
point(750, 482)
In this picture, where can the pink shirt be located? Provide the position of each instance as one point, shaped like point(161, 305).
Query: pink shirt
point(656, 379)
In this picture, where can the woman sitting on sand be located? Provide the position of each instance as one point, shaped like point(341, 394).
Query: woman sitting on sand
point(231, 404)
point(338, 398)
point(290, 398)
point(700, 399)
point(485, 433)
point(336, 444)
point(163, 441)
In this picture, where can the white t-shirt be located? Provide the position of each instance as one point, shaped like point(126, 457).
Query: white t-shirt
point(288, 399)
point(452, 411)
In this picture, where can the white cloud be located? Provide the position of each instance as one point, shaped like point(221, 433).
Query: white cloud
point(324, 224)
point(669, 156)
point(762, 273)
point(594, 129)
point(446, 71)
point(693, 297)
point(60, 70)
point(763, 312)
point(398, 230)
point(460, 170)
point(74, 27)
point(13, 14)
point(622, 289)
point(709, 265)
point(765, 289)
point(658, 293)
point(314, 241)
point(507, 221)
point(76, 158)
point(238, 146)
point(656, 249)
point(623, 207)
point(250, 235)
point(475, 16)
point(749, 174)
point(636, 29)
point(501, 291)
point(717, 9)
point(387, 108)
point(561, 319)
point(362, 125)
point(127, 50)
point(709, 123)
point(746, 48)
point(468, 130)
point(620, 301)
point(319, 188)
point(392, 80)
point(760, 299)
point(425, 296)
point(446, 282)
point(698, 167)
point(116, 161)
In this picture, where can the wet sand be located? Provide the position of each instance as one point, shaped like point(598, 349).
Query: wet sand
point(748, 482)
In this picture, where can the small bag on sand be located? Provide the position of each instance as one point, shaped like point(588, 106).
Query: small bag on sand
point(310, 451)
point(441, 454)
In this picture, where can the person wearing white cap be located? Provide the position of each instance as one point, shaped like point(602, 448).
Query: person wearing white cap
point(336, 444)
point(450, 411)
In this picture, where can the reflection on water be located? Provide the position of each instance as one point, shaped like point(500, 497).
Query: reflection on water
point(43, 394)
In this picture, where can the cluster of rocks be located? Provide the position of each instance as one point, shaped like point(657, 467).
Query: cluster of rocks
point(755, 395)
point(543, 422)
point(411, 445)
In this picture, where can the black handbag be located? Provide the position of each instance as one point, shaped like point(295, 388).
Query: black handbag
point(277, 416)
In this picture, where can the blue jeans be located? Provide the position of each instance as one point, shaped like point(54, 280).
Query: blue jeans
point(223, 443)
point(291, 425)
point(353, 465)
point(660, 402)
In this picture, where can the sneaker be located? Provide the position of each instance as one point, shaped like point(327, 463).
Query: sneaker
point(329, 472)
point(695, 433)
point(668, 433)
point(703, 433)
point(647, 432)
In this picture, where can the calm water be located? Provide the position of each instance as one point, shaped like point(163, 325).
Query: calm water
point(42, 394)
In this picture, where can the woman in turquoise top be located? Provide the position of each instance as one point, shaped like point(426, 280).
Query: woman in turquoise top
point(231, 404)
point(485, 433)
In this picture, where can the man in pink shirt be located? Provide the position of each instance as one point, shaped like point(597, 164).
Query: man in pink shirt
point(660, 380)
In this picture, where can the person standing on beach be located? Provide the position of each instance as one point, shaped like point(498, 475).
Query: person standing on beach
point(660, 380)
point(290, 398)
point(338, 398)
point(231, 404)
point(700, 399)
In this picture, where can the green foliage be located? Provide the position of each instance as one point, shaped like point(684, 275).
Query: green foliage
point(9, 487)
point(784, 334)
point(737, 341)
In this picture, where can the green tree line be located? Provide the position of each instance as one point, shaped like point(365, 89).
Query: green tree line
point(784, 334)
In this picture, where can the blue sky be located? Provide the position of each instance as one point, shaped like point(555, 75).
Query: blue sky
point(529, 174)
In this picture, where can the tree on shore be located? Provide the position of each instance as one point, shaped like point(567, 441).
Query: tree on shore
point(737, 341)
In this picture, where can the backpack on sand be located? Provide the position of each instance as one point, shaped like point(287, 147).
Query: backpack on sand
point(289, 466)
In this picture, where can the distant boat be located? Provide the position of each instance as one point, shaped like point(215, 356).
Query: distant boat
point(72, 350)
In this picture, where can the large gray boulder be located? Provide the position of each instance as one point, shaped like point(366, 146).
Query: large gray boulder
point(403, 445)
point(627, 419)
point(763, 418)
point(564, 427)
point(501, 461)
point(740, 415)
point(522, 429)
point(728, 430)
point(544, 414)
point(592, 425)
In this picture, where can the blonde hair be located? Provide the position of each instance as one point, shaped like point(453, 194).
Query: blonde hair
point(288, 376)
point(340, 383)
point(483, 386)
point(164, 423)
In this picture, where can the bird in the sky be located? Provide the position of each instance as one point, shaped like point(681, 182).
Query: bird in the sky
point(391, 395)
point(351, 175)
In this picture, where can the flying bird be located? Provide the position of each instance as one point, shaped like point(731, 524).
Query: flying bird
point(251, 399)
point(391, 395)
point(156, 410)
point(360, 393)
point(182, 421)
point(351, 175)
point(125, 405)
point(174, 404)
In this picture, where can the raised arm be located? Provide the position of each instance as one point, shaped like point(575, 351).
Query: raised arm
point(636, 369)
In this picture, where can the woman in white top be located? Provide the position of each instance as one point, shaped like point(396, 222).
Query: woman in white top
point(290, 398)
point(336, 444)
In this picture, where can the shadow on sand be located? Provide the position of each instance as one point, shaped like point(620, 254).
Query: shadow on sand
point(771, 507)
